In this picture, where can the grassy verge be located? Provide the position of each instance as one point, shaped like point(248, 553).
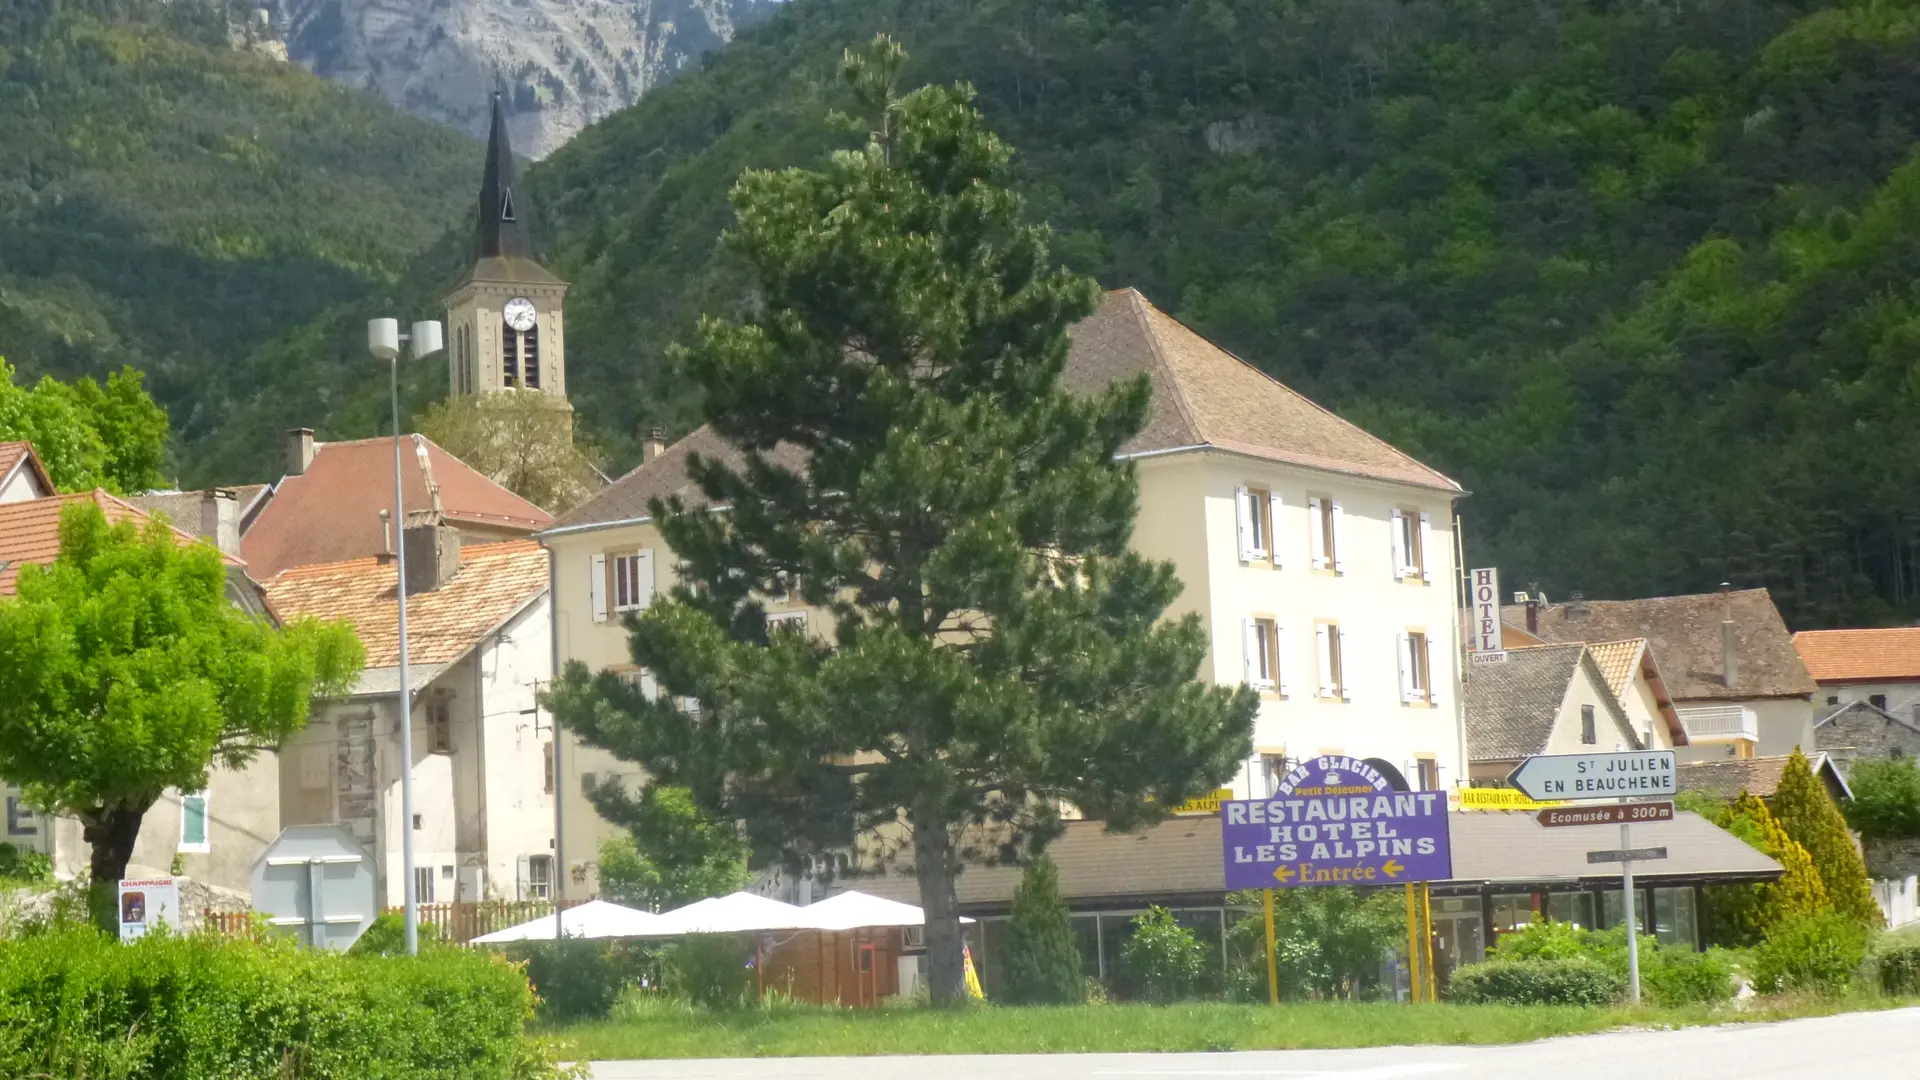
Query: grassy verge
point(644, 1028)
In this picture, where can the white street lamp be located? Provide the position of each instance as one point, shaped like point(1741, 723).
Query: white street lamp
point(383, 340)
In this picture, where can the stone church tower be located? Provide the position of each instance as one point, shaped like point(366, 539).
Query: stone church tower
point(505, 330)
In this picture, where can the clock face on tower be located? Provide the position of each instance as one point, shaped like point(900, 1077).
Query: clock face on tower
point(519, 313)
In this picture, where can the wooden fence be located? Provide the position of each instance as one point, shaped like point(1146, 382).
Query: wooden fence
point(456, 922)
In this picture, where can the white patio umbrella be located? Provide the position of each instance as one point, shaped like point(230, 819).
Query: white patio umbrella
point(593, 919)
point(854, 910)
point(737, 913)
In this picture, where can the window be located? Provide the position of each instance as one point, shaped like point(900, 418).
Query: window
point(786, 620)
point(1589, 732)
point(1572, 907)
point(193, 822)
point(1416, 667)
point(530, 358)
point(439, 726)
point(446, 872)
point(633, 580)
point(1833, 699)
point(1410, 535)
point(509, 356)
point(423, 884)
point(1273, 769)
point(1428, 771)
point(1673, 918)
point(1258, 511)
point(1327, 523)
point(546, 764)
point(1878, 701)
point(539, 878)
point(1264, 646)
point(1512, 911)
point(1331, 642)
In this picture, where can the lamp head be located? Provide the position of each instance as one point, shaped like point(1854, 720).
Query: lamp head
point(426, 339)
point(383, 338)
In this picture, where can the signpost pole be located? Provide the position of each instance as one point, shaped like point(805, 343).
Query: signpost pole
point(1426, 942)
point(1414, 978)
point(1273, 958)
point(1633, 923)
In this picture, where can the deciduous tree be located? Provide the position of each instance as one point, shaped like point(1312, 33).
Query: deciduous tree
point(671, 854)
point(518, 439)
point(88, 435)
point(994, 648)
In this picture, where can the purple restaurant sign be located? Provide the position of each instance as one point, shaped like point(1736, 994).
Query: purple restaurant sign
point(1335, 821)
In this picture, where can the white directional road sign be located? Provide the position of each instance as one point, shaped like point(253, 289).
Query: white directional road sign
point(1635, 773)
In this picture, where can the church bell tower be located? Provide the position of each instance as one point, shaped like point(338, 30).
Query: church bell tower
point(505, 330)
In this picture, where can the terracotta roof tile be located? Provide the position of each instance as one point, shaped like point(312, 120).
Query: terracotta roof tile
point(331, 512)
point(1202, 396)
point(30, 530)
point(1684, 635)
point(1618, 660)
point(1860, 655)
point(15, 454)
point(495, 580)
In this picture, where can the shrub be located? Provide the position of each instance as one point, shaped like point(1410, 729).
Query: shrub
point(1680, 976)
point(1896, 966)
point(1574, 980)
point(1886, 798)
point(74, 1002)
point(1819, 953)
point(1043, 964)
point(1161, 961)
point(575, 978)
point(25, 867)
point(1808, 814)
point(1741, 915)
point(712, 970)
point(1329, 943)
point(1669, 974)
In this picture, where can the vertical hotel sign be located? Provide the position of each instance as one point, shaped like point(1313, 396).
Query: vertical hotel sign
point(1486, 642)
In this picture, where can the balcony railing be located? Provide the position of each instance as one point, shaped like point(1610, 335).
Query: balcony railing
point(1715, 723)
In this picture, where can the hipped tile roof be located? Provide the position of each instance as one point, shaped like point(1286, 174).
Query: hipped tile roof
point(494, 582)
point(331, 512)
point(1860, 655)
point(1684, 632)
point(1203, 397)
point(30, 530)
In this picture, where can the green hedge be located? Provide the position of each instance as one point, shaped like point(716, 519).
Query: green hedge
point(1574, 980)
point(1818, 954)
point(1896, 965)
point(74, 1002)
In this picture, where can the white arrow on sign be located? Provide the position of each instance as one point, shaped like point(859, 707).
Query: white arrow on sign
point(1549, 777)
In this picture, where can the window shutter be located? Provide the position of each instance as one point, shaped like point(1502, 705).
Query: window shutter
point(1317, 539)
point(1433, 677)
point(1406, 676)
point(1281, 667)
point(1342, 686)
point(643, 570)
point(522, 877)
point(1250, 641)
point(193, 822)
point(1242, 508)
point(1426, 547)
point(597, 588)
point(1325, 642)
point(1273, 529)
point(1398, 527)
point(1339, 539)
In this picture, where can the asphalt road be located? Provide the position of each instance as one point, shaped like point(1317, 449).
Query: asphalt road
point(1857, 1046)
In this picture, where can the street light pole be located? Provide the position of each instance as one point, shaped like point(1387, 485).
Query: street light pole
point(383, 340)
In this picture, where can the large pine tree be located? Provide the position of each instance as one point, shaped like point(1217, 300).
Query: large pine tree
point(995, 648)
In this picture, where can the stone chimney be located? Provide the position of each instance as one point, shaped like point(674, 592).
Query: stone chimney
point(1532, 599)
point(433, 556)
point(299, 451)
point(653, 443)
point(1729, 637)
point(220, 519)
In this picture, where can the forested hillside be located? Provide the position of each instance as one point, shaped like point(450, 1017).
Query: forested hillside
point(173, 204)
point(1641, 275)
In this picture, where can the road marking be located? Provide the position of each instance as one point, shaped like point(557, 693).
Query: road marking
point(1371, 1072)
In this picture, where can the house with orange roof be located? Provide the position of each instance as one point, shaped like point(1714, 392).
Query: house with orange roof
point(1878, 666)
point(479, 647)
point(1320, 558)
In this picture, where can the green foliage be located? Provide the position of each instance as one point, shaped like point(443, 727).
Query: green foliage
point(1819, 954)
point(997, 649)
point(1329, 942)
point(1670, 975)
point(124, 671)
point(710, 970)
point(1575, 980)
point(671, 855)
point(387, 936)
point(1738, 916)
point(575, 978)
point(24, 867)
point(78, 1003)
point(1161, 962)
point(1808, 814)
point(1042, 965)
point(87, 435)
point(1886, 799)
point(1896, 965)
point(520, 441)
point(1675, 976)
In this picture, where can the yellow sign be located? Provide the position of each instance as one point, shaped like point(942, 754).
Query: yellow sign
point(1205, 804)
point(1500, 799)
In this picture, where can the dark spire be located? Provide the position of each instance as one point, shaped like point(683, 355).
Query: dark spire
point(506, 216)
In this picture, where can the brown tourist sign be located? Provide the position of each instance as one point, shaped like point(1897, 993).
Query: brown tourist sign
point(1560, 817)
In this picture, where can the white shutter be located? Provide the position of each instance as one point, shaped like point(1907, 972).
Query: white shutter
point(1406, 676)
point(1325, 642)
point(1281, 666)
point(1339, 539)
point(1433, 673)
point(1250, 649)
point(1273, 529)
point(598, 588)
point(1242, 509)
point(643, 570)
point(1426, 547)
point(1345, 693)
point(1317, 540)
point(1397, 525)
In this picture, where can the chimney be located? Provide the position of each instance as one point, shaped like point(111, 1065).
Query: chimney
point(1533, 609)
point(1576, 604)
point(653, 443)
point(1729, 637)
point(299, 451)
point(220, 519)
point(433, 556)
point(386, 533)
